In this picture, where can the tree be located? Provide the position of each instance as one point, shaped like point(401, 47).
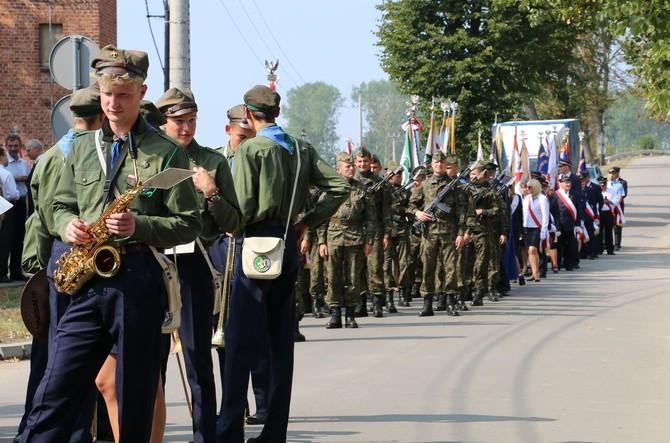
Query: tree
point(314, 108)
point(384, 110)
point(484, 54)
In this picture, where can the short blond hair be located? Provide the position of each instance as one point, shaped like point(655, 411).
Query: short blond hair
point(111, 80)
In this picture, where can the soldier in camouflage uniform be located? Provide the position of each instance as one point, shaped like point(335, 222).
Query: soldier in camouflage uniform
point(398, 253)
point(375, 261)
point(415, 263)
point(489, 232)
point(443, 232)
point(344, 242)
point(317, 281)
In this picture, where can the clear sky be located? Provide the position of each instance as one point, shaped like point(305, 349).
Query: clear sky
point(329, 41)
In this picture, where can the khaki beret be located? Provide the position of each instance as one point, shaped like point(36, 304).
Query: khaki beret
point(238, 115)
point(363, 152)
point(479, 165)
point(175, 102)
point(345, 157)
point(112, 60)
point(392, 165)
point(151, 114)
point(85, 102)
point(419, 171)
point(262, 99)
point(452, 160)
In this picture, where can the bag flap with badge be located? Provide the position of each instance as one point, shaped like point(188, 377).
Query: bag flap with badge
point(172, 319)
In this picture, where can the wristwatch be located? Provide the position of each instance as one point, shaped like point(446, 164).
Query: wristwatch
point(213, 198)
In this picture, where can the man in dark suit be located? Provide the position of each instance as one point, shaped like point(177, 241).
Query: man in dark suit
point(592, 201)
point(568, 207)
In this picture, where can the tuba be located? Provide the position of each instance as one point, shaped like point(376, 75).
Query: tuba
point(82, 262)
point(223, 291)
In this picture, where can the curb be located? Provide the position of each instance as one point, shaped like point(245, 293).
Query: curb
point(20, 350)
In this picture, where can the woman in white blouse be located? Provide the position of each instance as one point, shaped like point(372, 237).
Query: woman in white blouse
point(535, 224)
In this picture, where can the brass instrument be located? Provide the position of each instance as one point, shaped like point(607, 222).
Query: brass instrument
point(218, 338)
point(82, 262)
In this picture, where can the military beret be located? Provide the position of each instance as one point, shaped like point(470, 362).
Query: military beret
point(563, 178)
point(238, 115)
point(478, 165)
point(85, 102)
point(375, 159)
point(175, 102)
point(491, 166)
point(362, 152)
point(151, 113)
point(112, 60)
point(262, 99)
point(564, 163)
point(345, 157)
point(451, 160)
point(429, 170)
point(419, 171)
point(439, 156)
point(614, 169)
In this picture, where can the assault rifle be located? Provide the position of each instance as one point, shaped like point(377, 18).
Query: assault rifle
point(407, 185)
point(441, 194)
point(377, 186)
point(500, 182)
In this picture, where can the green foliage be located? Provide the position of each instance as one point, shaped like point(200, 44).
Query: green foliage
point(627, 122)
point(384, 113)
point(645, 142)
point(314, 108)
point(487, 55)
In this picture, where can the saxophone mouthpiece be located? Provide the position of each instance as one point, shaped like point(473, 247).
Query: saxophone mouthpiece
point(132, 146)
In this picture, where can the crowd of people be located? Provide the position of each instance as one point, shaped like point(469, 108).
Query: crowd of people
point(348, 240)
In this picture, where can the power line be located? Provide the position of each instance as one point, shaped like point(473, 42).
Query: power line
point(151, 31)
point(263, 40)
point(260, 62)
point(277, 42)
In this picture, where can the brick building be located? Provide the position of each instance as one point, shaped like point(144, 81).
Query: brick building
point(30, 30)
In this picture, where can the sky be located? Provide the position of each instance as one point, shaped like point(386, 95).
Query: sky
point(333, 42)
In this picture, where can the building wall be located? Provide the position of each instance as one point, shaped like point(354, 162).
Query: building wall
point(27, 91)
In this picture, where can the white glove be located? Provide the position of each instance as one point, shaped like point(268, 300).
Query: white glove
point(558, 233)
point(543, 234)
point(577, 231)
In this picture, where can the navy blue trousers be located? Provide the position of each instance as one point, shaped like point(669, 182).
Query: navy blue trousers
point(126, 310)
point(250, 301)
point(195, 332)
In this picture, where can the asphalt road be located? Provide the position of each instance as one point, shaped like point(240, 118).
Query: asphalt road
point(579, 357)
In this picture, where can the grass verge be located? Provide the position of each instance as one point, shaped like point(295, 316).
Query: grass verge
point(12, 328)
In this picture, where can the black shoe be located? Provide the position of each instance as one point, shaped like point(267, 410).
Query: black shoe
point(335, 321)
point(617, 248)
point(350, 321)
point(569, 269)
point(522, 280)
point(298, 337)
point(17, 439)
point(577, 267)
point(265, 440)
point(543, 275)
point(611, 253)
point(259, 418)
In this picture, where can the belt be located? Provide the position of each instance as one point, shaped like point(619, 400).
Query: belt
point(267, 224)
point(134, 248)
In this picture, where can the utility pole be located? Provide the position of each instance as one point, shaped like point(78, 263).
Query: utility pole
point(360, 117)
point(179, 58)
point(393, 136)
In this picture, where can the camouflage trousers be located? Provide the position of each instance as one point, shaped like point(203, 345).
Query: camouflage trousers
point(345, 266)
point(486, 271)
point(375, 269)
point(317, 273)
point(465, 262)
point(301, 287)
point(437, 251)
point(396, 261)
point(415, 264)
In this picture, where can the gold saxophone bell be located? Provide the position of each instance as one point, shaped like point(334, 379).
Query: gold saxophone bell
point(106, 261)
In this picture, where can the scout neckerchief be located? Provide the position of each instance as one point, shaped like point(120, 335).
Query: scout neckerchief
point(568, 204)
point(532, 214)
point(114, 163)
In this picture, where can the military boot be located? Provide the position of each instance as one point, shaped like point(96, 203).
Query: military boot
point(389, 302)
point(468, 293)
point(451, 307)
point(377, 304)
point(477, 296)
point(494, 295)
point(297, 335)
point(316, 308)
point(361, 308)
point(427, 310)
point(349, 317)
point(414, 293)
point(460, 303)
point(441, 302)
point(335, 321)
point(404, 297)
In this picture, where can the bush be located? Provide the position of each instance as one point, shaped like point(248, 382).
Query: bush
point(645, 142)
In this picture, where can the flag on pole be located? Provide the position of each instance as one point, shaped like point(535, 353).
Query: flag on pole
point(525, 160)
point(495, 145)
point(517, 169)
point(406, 158)
point(480, 151)
point(565, 150)
point(552, 168)
point(582, 160)
point(542, 159)
point(350, 145)
point(432, 143)
point(443, 141)
point(410, 154)
point(452, 134)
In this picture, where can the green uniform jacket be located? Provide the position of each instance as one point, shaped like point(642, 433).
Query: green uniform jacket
point(224, 215)
point(400, 214)
point(354, 222)
point(40, 229)
point(163, 218)
point(382, 201)
point(458, 221)
point(263, 176)
point(494, 218)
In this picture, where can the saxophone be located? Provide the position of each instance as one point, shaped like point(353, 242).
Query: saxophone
point(82, 262)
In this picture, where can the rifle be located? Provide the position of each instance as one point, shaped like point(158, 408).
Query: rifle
point(500, 182)
point(377, 186)
point(407, 185)
point(437, 201)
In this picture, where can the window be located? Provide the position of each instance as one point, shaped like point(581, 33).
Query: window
point(50, 34)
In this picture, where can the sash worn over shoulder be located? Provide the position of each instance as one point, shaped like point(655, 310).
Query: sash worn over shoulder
point(568, 204)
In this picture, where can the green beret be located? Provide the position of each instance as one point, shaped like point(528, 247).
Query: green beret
point(112, 60)
point(392, 165)
point(85, 102)
point(175, 102)
point(439, 156)
point(238, 115)
point(452, 160)
point(345, 157)
point(151, 114)
point(262, 99)
point(362, 152)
